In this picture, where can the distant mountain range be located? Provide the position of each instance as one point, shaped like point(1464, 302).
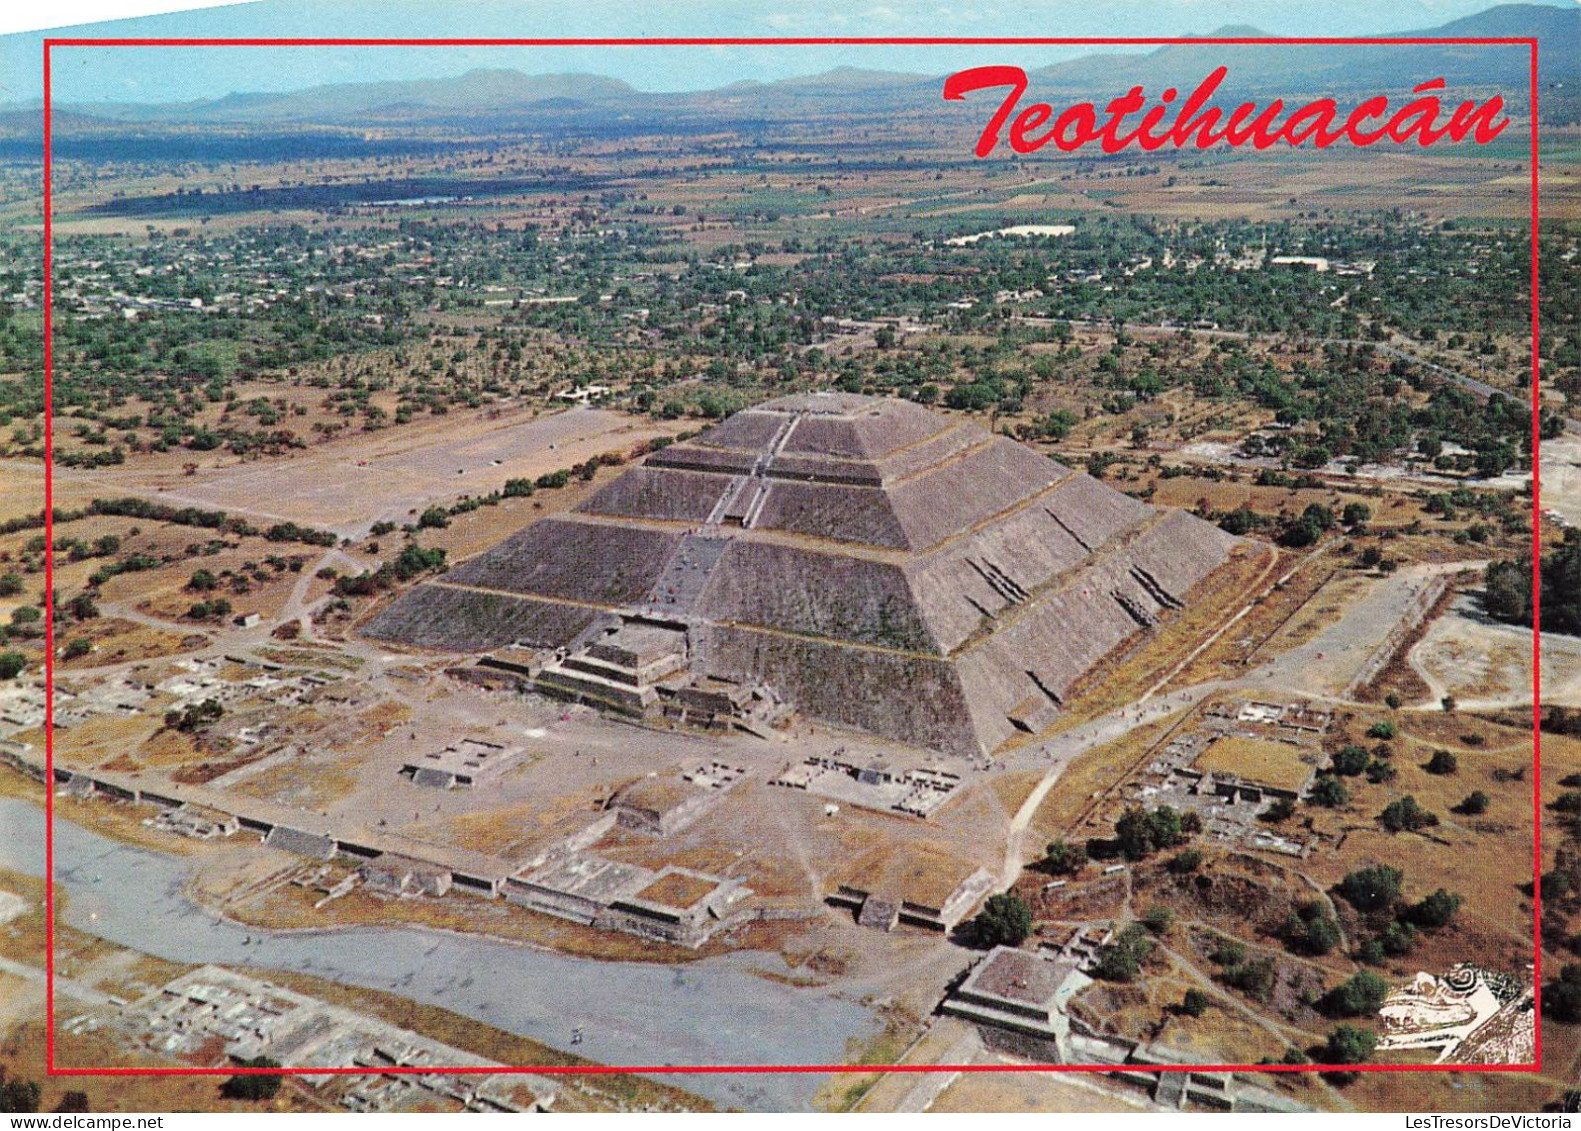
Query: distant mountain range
point(1254, 70)
point(1286, 67)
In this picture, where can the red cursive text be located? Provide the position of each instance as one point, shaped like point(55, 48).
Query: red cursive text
point(1195, 123)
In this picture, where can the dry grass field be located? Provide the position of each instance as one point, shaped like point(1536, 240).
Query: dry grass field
point(1276, 764)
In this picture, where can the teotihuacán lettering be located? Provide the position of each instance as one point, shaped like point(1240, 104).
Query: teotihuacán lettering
point(1197, 124)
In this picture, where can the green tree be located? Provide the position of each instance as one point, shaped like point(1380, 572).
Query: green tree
point(1373, 888)
point(1329, 792)
point(1436, 910)
point(1140, 833)
point(1064, 859)
point(253, 1086)
point(1562, 996)
point(18, 1096)
point(1195, 1003)
point(1360, 995)
point(1349, 1045)
point(1442, 762)
point(1120, 960)
point(1005, 920)
point(1507, 590)
point(1351, 760)
point(1168, 827)
point(1319, 516)
point(12, 664)
point(1134, 832)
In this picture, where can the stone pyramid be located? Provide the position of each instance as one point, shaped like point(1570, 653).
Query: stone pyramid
point(873, 563)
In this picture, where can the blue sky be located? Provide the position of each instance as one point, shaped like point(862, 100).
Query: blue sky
point(172, 75)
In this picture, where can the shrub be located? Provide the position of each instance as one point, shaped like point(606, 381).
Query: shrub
point(1475, 804)
point(1442, 762)
point(1383, 729)
point(1380, 772)
point(1255, 979)
point(194, 717)
point(1195, 1003)
point(1405, 815)
point(414, 559)
point(1281, 810)
point(1311, 930)
point(1229, 953)
point(1398, 939)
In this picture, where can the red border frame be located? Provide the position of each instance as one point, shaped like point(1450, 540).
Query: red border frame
point(54, 1069)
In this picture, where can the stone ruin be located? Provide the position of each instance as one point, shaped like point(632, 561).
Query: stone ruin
point(865, 561)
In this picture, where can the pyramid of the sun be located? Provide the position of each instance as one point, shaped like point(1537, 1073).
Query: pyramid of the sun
point(873, 563)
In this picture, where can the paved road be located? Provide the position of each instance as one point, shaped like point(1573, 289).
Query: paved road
point(62, 985)
point(713, 1011)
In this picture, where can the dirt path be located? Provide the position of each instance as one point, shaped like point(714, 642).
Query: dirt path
point(1066, 746)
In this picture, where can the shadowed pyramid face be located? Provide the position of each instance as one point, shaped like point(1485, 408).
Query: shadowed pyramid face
point(873, 563)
